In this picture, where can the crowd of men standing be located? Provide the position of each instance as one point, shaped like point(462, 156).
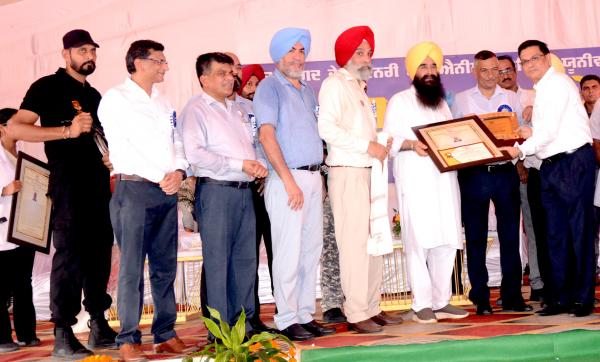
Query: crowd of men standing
point(255, 148)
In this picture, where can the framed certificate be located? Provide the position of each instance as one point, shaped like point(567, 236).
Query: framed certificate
point(503, 126)
point(459, 143)
point(31, 207)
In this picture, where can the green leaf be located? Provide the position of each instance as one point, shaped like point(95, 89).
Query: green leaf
point(214, 313)
point(212, 327)
point(239, 331)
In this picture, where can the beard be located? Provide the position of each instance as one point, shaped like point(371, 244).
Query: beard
point(362, 73)
point(430, 90)
point(84, 69)
point(237, 83)
point(249, 96)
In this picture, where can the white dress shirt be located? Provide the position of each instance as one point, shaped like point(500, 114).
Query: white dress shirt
point(217, 138)
point(526, 96)
point(346, 120)
point(140, 131)
point(472, 101)
point(560, 122)
point(595, 121)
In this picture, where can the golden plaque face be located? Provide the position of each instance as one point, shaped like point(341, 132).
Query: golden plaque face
point(503, 126)
point(460, 143)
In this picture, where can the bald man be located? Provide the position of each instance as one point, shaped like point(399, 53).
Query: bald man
point(429, 201)
point(347, 124)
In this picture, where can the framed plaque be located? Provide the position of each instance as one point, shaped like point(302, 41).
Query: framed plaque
point(503, 126)
point(31, 207)
point(460, 143)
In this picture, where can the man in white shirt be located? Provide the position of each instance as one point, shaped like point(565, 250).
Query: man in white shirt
point(590, 91)
point(219, 146)
point(533, 219)
point(498, 183)
point(147, 157)
point(429, 201)
point(561, 137)
point(347, 124)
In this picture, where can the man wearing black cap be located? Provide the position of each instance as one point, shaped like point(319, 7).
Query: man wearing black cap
point(79, 188)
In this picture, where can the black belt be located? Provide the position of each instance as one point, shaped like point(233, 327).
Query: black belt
point(508, 166)
point(136, 178)
point(315, 167)
point(558, 156)
point(236, 184)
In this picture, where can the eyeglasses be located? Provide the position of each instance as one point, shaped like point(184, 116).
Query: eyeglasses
point(534, 59)
point(505, 71)
point(157, 61)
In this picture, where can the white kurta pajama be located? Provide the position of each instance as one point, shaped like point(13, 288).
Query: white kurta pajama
point(429, 204)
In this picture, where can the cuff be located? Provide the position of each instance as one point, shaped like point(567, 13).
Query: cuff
point(235, 164)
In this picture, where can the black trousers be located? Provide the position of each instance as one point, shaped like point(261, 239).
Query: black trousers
point(478, 186)
point(15, 268)
point(83, 239)
point(567, 197)
point(538, 219)
point(263, 232)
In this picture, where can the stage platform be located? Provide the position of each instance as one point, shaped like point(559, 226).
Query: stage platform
point(409, 337)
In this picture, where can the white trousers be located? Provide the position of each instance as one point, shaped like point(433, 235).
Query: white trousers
point(297, 238)
point(430, 275)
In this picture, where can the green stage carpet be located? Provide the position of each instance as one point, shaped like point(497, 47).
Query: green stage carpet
point(577, 345)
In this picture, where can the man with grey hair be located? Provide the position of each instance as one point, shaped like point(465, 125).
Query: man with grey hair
point(347, 124)
point(285, 109)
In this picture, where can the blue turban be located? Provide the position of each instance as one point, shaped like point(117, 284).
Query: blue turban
point(285, 39)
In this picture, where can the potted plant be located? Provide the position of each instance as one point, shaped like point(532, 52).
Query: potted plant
point(396, 228)
point(231, 344)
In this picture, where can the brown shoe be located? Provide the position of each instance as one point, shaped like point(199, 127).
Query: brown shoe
point(173, 345)
point(132, 353)
point(384, 319)
point(366, 326)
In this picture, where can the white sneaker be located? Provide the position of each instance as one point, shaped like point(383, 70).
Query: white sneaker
point(450, 312)
point(425, 315)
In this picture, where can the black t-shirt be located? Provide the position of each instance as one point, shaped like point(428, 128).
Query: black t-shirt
point(77, 162)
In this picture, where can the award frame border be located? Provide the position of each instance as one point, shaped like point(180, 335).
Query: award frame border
point(43, 246)
point(486, 137)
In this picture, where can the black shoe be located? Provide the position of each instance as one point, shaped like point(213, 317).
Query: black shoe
point(32, 343)
point(318, 329)
point(8, 347)
point(484, 309)
point(552, 309)
point(334, 315)
point(581, 310)
point(536, 295)
point(101, 335)
point(520, 307)
point(67, 346)
point(259, 326)
point(295, 332)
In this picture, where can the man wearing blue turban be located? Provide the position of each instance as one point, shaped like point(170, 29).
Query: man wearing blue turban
point(286, 112)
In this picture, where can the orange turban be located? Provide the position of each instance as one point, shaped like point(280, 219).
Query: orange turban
point(417, 54)
point(349, 40)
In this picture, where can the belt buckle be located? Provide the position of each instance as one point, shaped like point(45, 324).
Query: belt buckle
point(240, 184)
point(490, 168)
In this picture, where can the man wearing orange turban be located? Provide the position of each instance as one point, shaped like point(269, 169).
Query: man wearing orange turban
point(429, 201)
point(347, 124)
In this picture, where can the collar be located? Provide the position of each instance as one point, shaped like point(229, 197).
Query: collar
point(139, 91)
point(210, 100)
point(547, 75)
point(498, 90)
point(62, 72)
point(284, 81)
point(343, 72)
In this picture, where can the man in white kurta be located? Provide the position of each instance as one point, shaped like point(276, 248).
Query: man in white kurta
point(429, 201)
